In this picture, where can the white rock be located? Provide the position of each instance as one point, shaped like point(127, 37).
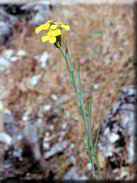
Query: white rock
point(46, 146)
point(107, 131)
point(89, 166)
point(1, 107)
point(124, 174)
point(64, 125)
point(7, 54)
point(5, 138)
point(25, 118)
point(47, 134)
point(4, 64)
point(51, 127)
point(14, 59)
point(56, 148)
point(72, 146)
point(54, 97)
point(72, 158)
point(113, 137)
point(43, 59)
point(34, 80)
point(96, 86)
point(109, 150)
point(46, 108)
point(131, 151)
point(21, 53)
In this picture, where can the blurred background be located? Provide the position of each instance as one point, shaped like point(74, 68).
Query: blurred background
point(41, 131)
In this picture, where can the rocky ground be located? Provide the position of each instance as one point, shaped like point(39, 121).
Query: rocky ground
point(41, 132)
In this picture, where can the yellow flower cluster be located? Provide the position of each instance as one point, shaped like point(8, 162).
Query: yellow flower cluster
point(53, 29)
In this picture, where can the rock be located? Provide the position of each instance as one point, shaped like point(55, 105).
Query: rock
point(31, 82)
point(129, 91)
point(64, 126)
point(117, 134)
point(73, 174)
point(46, 146)
point(128, 119)
point(124, 173)
point(89, 166)
point(56, 148)
point(9, 123)
point(21, 53)
point(7, 22)
point(72, 159)
point(62, 99)
point(128, 107)
point(43, 59)
point(131, 151)
point(4, 64)
point(54, 97)
point(7, 54)
point(8, 57)
point(113, 137)
point(41, 12)
point(46, 108)
point(115, 107)
point(32, 133)
point(5, 139)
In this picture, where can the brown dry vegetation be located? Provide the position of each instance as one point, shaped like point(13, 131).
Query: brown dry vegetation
point(97, 32)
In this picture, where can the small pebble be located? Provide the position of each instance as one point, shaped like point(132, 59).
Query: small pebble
point(54, 97)
point(43, 59)
point(5, 138)
point(46, 146)
point(34, 80)
point(46, 108)
point(64, 126)
point(21, 53)
point(113, 137)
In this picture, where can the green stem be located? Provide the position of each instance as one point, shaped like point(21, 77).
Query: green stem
point(75, 80)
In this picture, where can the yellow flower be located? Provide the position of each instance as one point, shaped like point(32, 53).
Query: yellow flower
point(53, 29)
point(43, 27)
point(51, 36)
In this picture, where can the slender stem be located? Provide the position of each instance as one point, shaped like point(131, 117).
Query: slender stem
point(75, 80)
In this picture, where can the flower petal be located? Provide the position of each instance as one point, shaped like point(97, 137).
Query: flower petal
point(52, 39)
point(54, 26)
point(44, 38)
point(42, 27)
point(55, 32)
point(65, 26)
point(39, 29)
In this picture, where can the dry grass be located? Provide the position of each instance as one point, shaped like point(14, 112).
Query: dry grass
point(92, 38)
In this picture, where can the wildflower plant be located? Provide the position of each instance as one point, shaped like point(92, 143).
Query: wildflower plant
point(53, 32)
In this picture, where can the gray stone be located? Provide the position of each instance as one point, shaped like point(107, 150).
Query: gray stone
point(41, 12)
point(56, 148)
point(9, 123)
point(43, 59)
point(116, 106)
point(4, 64)
point(5, 139)
point(128, 107)
point(6, 24)
point(72, 174)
